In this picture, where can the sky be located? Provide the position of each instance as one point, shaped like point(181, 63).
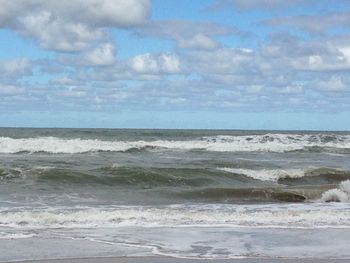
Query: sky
point(213, 64)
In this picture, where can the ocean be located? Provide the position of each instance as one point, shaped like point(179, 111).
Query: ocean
point(209, 194)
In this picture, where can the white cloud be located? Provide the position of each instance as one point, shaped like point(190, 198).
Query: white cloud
point(73, 93)
point(169, 63)
point(322, 62)
point(71, 25)
point(221, 61)
point(10, 90)
point(55, 33)
point(151, 64)
point(255, 88)
point(145, 64)
point(198, 41)
point(345, 52)
point(334, 84)
point(14, 68)
point(313, 24)
point(273, 76)
point(188, 34)
point(307, 55)
point(101, 13)
point(292, 89)
point(103, 55)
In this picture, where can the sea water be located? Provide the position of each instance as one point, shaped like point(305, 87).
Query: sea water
point(211, 194)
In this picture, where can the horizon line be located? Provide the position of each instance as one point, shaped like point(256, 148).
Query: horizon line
point(157, 128)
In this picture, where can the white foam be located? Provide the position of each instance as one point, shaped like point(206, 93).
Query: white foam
point(4, 235)
point(338, 195)
point(306, 215)
point(335, 195)
point(116, 165)
point(345, 186)
point(12, 173)
point(57, 145)
point(266, 174)
point(267, 143)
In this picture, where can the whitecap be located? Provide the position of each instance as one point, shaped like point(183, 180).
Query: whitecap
point(266, 174)
point(304, 216)
point(220, 143)
point(338, 195)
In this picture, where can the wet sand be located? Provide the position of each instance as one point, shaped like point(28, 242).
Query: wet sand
point(176, 260)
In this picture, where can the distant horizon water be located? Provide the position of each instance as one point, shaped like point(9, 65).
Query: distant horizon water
point(169, 129)
point(180, 120)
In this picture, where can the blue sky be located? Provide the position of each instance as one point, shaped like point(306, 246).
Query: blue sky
point(239, 64)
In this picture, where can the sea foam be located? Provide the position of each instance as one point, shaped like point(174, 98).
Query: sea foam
point(341, 194)
point(266, 174)
point(251, 143)
point(5, 235)
point(306, 215)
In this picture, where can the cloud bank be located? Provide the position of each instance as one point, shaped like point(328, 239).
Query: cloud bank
point(107, 55)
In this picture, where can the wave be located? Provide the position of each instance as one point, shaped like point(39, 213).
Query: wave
point(315, 215)
point(8, 174)
point(220, 143)
point(309, 176)
point(317, 176)
point(221, 184)
point(135, 177)
point(191, 184)
point(266, 174)
point(5, 235)
point(341, 194)
point(131, 177)
point(243, 195)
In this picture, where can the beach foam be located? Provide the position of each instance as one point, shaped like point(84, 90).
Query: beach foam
point(5, 235)
point(306, 215)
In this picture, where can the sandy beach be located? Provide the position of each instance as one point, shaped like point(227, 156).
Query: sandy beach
point(177, 260)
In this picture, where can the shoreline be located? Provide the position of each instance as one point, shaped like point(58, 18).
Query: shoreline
point(161, 259)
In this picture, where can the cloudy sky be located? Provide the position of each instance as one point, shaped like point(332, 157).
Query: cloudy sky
point(257, 64)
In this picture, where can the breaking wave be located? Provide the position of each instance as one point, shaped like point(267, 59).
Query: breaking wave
point(8, 174)
point(266, 174)
point(341, 194)
point(223, 185)
point(5, 235)
point(315, 215)
point(312, 176)
point(251, 143)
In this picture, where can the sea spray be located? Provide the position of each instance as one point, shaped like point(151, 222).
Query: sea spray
point(338, 195)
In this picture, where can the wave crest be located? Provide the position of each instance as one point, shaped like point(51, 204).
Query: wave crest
point(179, 215)
point(341, 194)
point(313, 176)
point(266, 174)
point(251, 143)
